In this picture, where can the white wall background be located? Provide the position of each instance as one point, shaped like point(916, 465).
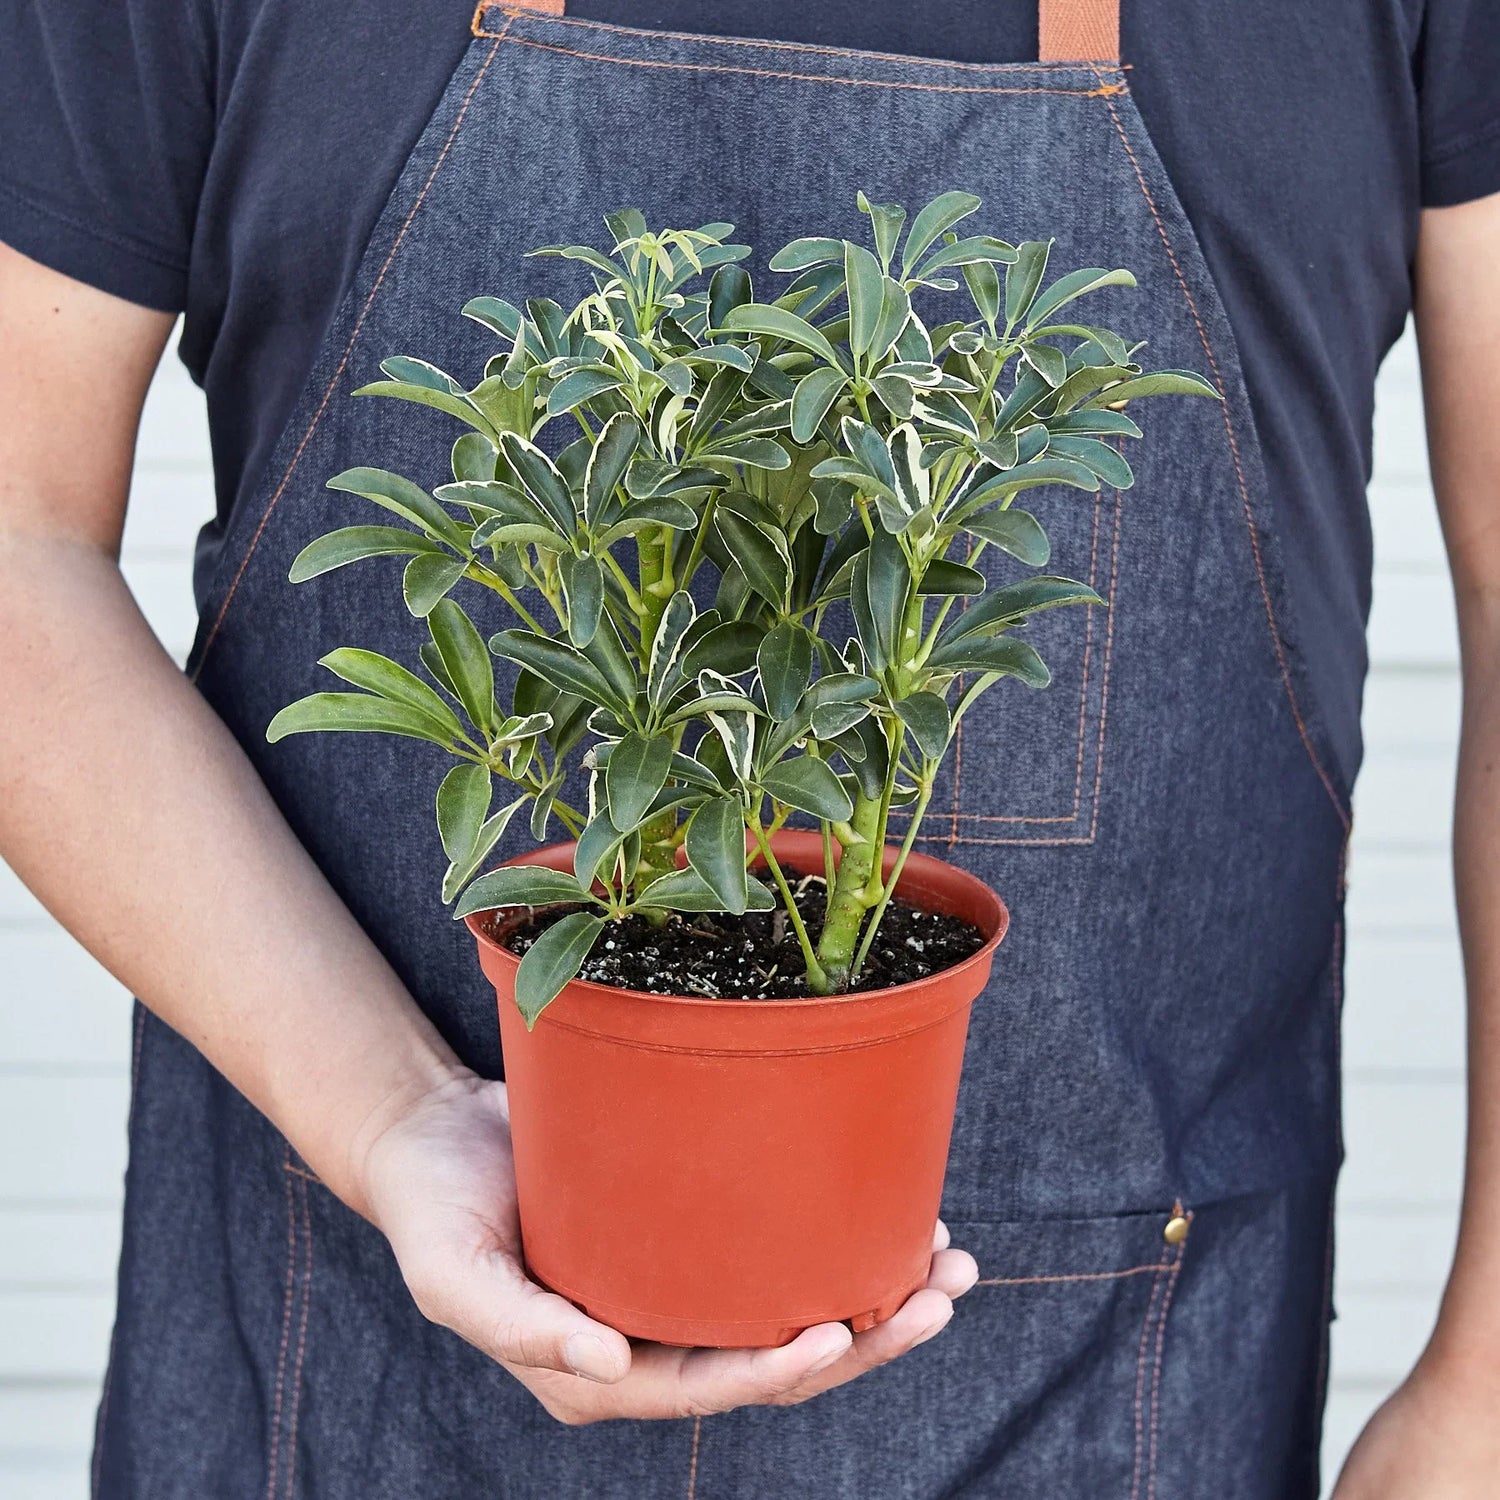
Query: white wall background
point(64, 1033)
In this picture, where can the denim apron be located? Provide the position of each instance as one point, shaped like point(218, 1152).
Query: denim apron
point(1147, 1134)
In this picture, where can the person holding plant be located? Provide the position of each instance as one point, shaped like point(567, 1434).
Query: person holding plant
point(1146, 1141)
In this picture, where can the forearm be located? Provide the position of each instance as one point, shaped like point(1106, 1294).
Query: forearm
point(132, 813)
point(1470, 1325)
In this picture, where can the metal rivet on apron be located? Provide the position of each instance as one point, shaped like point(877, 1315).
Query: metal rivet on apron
point(1177, 1229)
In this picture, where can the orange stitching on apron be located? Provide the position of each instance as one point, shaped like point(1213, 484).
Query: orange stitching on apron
point(307, 1265)
point(516, 12)
point(286, 1332)
point(1234, 448)
point(1156, 1267)
point(954, 837)
point(359, 323)
point(1102, 91)
point(692, 1488)
point(297, 1171)
point(1161, 1338)
point(1140, 1382)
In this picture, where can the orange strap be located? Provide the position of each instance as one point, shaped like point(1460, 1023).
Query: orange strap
point(1080, 31)
point(1070, 30)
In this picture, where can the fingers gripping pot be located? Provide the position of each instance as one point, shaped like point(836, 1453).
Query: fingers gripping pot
point(730, 1172)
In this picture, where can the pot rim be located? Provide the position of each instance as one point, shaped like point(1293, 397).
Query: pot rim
point(916, 864)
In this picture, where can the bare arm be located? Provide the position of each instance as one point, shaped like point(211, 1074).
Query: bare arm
point(133, 814)
point(1437, 1439)
point(124, 802)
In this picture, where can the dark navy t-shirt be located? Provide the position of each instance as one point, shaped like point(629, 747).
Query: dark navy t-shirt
point(228, 159)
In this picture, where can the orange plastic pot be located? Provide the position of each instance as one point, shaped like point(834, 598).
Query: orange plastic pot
point(730, 1172)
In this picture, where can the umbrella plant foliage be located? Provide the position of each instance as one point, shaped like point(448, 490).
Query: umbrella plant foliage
point(730, 546)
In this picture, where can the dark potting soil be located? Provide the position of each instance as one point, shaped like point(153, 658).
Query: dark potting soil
point(756, 956)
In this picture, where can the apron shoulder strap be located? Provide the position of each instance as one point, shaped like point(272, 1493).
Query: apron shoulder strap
point(1080, 31)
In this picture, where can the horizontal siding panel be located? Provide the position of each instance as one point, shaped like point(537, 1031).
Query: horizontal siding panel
point(60, 1008)
point(74, 1249)
point(47, 1422)
point(65, 1140)
point(1378, 1336)
point(1404, 1141)
point(1403, 1005)
point(1406, 892)
point(1386, 1250)
point(1406, 802)
point(1412, 622)
point(51, 1336)
point(1415, 710)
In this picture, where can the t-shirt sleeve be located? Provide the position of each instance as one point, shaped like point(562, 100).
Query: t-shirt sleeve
point(1458, 88)
point(106, 120)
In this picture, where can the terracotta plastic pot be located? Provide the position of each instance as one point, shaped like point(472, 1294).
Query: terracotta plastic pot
point(730, 1172)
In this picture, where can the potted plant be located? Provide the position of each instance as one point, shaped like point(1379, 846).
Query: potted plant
point(728, 553)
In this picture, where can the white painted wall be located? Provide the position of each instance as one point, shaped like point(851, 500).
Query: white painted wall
point(64, 1043)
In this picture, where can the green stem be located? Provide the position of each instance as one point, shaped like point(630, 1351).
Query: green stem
point(817, 978)
point(861, 856)
point(481, 574)
point(923, 798)
point(696, 553)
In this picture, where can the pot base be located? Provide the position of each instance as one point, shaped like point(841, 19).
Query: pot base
point(689, 1333)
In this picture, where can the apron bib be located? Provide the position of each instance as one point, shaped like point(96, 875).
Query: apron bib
point(1165, 822)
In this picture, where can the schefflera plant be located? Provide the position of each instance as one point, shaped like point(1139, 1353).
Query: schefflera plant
point(732, 547)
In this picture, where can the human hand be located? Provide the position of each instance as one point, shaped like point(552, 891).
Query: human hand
point(1435, 1439)
point(440, 1184)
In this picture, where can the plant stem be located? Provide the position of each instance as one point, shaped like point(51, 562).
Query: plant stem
point(923, 798)
point(850, 894)
point(481, 574)
point(817, 978)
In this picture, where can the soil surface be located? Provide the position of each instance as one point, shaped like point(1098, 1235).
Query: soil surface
point(756, 956)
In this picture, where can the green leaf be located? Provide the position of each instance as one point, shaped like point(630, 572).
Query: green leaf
point(940, 215)
point(760, 553)
point(677, 619)
point(777, 323)
point(946, 577)
point(984, 287)
point(1157, 383)
point(686, 890)
point(1075, 284)
point(351, 543)
point(886, 579)
point(927, 716)
point(409, 501)
point(428, 578)
point(637, 771)
point(560, 664)
point(1017, 532)
point(754, 452)
point(977, 249)
point(865, 283)
point(728, 649)
point(579, 386)
point(886, 219)
point(468, 663)
point(463, 803)
point(379, 674)
point(1098, 457)
point(1007, 606)
point(519, 885)
point(461, 872)
point(498, 315)
point(583, 584)
point(1096, 422)
point(1027, 476)
point(715, 844)
point(455, 406)
point(539, 477)
point(815, 394)
point(801, 254)
point(356, 712)
point(553, 960)
point(785, 661)
point(596, 845)
point(473, 457)
point(810, 785)
point(1024, 277)
point(1002, 656)
point(612, 451)
point(1048, 361)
